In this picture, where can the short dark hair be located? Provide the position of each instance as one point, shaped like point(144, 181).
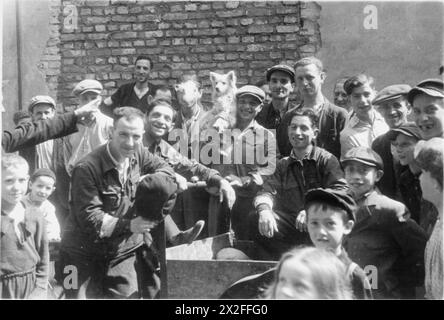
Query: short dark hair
point(357, 82)
point(144, 57)
point(128, 113)
point(430, 158)
point(325, 205)
point(314, 119)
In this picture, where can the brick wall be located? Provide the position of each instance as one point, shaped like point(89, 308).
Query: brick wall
point(247, 37)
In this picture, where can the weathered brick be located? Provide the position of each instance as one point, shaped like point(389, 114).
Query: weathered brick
point(85, 11)
point(232, 4)
point(178, 41)
point(126, 44)
point(191, 7)
point(137, 26)
point(123, 18)
point(125, 51)
point(100, 28)
point(134, 10)
point(287, 29)
point(87, 29)
point(122, 10)
point(260, 29)
point(150, 51)
point(291, 19)
point(205, 32)
point(232, 56)
point(175, 16)
point(97, 20)
point(309, 27)
point(233, 39)
point(153, 34)
point(113, 43)
point(246, 21)
point(219, 40)
point(218, 5)
point(217, 24)
point(230, 13)
point(165, 42)
point(190, 24)
point(287, 10)
point(176, 8)
point(163, 25)
point(124, 35)
point(206, 41)
point(248, 39)
point(219, 56)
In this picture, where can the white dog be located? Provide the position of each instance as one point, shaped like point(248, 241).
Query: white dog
point(224, 100)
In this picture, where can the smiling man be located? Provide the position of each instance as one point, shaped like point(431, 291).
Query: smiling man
point(103, 236)
point(392, 104)
point(427, 100)
point(309, 77)
point(280, 220)
point(138, 93)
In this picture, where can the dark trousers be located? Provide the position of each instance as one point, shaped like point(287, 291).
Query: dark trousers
point(132, 275)
point(287, 237)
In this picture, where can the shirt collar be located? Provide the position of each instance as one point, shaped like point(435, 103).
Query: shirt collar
point(308, 155)
point(162, 146)
point(370, 198)
point(354, 120)
point(109, 162)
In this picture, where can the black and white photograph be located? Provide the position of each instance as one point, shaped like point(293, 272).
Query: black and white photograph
point(235, 151)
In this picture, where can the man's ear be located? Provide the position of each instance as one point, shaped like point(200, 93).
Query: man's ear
point(315, 132)
point(348, 226)
point(379, 174)
point(323, 76)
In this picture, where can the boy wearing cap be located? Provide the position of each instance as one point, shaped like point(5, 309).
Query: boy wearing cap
point(391, 102)
point(383, 237)
point(137, 94)
point(41, 186)
point(404, 139)
point(251, 155)
point(427, 100)
point(279, 222)
point(330, 218)
point(95, 132)
point(309, 77)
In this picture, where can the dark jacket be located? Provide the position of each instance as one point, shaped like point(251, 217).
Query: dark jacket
point(30, 134)
point(331, 122)
point(388, 184)
point(385, 239)
point(96, 190)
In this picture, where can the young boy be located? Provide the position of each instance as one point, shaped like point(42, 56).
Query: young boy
point(24, 258)
point(384, 238)
point(41, 186)
point(330, 218)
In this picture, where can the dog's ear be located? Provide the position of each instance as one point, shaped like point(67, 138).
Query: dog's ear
point(232, 77)
point(212, 77)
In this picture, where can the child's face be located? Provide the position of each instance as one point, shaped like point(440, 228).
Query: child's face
point(41, 188)
point(404, 148)
point(361, 100)
point(301, 132)
point(295, 282)
point(248, 107)
point(327, 227)
point(14, 184)
point(361, 178)
point(394, 111)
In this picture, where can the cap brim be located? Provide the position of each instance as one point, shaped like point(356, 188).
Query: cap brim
point(394, 133)
point(372, 164)
point(250, 94)
point(415, 91)
point(292, 75)
point(379, 101)
point(319, 195)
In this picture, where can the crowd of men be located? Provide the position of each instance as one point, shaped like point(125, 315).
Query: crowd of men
point(122, 184)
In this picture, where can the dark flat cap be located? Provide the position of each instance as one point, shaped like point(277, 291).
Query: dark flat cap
point(43, 172)
point(364, 155)
point(409, 129)
point(252, 91)
point(337, 198)
point(391, 92)
point(431, 87)
point(283, 68)
point(86, 86)
point(155, 196)
point(41, 100)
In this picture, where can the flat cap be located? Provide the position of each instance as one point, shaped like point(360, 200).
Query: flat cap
point(409, 129)
point(391, 92)
point(43, 172)
point(431, 87)
point(86, 86)
point(337, 198)
point(252, 91)
point(364, 155)
point(280, 67)
point(39, 100)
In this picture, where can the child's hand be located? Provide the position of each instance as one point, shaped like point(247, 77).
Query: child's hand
point(301, 221)
point(267, 223)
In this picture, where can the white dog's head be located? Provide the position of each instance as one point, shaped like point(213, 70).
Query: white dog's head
point(223, 84)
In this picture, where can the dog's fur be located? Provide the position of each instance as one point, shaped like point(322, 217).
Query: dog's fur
point(224, 100)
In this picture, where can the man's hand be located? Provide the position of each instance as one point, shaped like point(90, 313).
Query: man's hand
point(181, 183)
point(301, 221)
point(227, 191)
point(141, 225)
point(85, 114)
point(267, 223)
